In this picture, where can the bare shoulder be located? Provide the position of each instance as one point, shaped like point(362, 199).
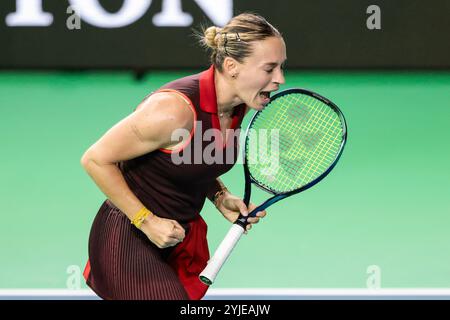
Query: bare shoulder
point(162, 113)
point(167, 108)
point(148, 128)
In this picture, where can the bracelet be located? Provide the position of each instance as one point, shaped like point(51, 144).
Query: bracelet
point(218, 195)
point(140, 217)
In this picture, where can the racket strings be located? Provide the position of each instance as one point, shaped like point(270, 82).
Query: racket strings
point(330, 127)
point(309, 138)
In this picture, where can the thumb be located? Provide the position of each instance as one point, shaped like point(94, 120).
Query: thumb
point(242, 207)
point(178, 229)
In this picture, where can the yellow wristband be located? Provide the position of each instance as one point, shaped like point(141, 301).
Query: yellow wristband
point(140, 217)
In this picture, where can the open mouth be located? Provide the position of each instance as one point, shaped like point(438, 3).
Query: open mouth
point(265, 97)
point(265, 94)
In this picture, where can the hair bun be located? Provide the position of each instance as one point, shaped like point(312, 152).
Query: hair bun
point(210, 35)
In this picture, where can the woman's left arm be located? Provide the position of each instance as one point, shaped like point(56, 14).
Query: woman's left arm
point(230, 205)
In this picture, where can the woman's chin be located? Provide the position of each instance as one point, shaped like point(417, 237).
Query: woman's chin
point(257, 105)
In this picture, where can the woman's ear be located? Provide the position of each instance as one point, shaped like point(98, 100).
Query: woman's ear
point(230, 67)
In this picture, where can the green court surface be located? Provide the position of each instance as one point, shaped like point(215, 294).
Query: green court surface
point(385, 207)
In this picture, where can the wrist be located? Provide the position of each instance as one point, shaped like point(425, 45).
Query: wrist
point(215, 187)
point(141, 217)
point(218, 196)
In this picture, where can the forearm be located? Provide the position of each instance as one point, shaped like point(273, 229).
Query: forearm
point(111, 182)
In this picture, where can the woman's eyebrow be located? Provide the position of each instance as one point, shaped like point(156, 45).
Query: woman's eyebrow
point(274, 64)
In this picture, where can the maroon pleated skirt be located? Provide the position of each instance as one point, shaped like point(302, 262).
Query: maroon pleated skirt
point(125, 265)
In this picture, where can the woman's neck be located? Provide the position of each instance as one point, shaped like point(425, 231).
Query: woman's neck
point(225, 94)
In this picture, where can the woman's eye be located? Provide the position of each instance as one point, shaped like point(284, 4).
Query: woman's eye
point(269, 71)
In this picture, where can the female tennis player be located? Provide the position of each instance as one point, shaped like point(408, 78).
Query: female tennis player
point(160, 254)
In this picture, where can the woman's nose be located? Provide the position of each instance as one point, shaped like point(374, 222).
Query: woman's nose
point(279, 78)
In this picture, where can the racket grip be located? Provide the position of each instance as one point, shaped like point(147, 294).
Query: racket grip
point(208, 275)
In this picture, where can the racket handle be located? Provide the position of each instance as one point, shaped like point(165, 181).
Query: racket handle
point(208, 275)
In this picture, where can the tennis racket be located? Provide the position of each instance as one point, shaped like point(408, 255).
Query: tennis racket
point(307, 136)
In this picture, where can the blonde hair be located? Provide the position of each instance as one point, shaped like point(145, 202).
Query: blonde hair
point(234, 39)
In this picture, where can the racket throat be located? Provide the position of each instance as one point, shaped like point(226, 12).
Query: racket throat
point(242, 221)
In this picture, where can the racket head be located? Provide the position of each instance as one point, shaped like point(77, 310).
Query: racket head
point(312, 133)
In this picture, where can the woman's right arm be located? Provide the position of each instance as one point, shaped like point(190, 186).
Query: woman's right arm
point(147, 129)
